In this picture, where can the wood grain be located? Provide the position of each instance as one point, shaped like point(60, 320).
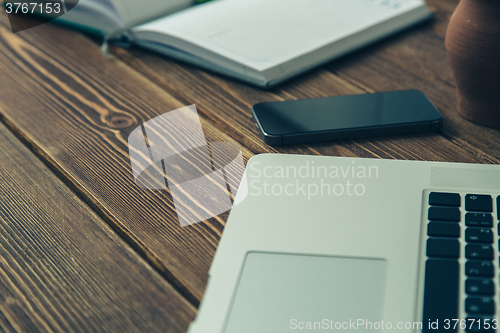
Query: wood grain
point(63, 269)
point(228, 104)
point(76, 109)
point(416, 59)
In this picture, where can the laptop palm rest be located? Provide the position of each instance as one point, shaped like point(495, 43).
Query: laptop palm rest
point(279, 292)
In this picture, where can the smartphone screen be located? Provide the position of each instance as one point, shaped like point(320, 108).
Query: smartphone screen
point(342, 117)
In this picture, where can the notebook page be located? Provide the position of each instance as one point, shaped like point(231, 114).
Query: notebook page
point(133, 12)
point(94, 14)
point(264, 33)
point(103, 6)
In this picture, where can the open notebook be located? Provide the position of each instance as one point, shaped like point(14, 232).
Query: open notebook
point(262, 42)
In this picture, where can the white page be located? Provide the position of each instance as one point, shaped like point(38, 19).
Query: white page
point(264, 33)
point(96, 14)
point(135, 11)
point(103, 6)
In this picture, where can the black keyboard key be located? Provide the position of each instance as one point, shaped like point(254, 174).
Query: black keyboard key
point(444, 199)
point(477, 251)
point(480, 305)
point(480, 286)
point(479, 220)
point(478, 203)
point(441, 291)
point(441, 247)
point(478, 235)
point(498, 205)
point(479, 268)
point(443, 229)
point(451, 214)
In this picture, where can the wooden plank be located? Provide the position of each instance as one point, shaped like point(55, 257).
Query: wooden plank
point(416, 59)
point(443, 10)
point(76, 109)
point(228, 104)
point(42, 61)
point(225, 102)
point(62, 268)
point(420, 48)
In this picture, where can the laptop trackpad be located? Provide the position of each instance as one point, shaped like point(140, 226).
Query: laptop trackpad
point(289, 292)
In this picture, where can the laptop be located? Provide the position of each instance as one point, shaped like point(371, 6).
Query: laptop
point(340, 244)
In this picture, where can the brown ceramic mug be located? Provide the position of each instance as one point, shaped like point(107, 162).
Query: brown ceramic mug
point(473, 48)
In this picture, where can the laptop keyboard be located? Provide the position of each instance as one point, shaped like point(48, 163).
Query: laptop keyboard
point(461, 258)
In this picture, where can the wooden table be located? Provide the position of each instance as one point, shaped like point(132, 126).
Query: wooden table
point(82, 248)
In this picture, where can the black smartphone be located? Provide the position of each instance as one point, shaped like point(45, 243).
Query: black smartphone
point(345, 117)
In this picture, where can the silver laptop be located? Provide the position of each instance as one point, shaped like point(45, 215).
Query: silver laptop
point(344, 244)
